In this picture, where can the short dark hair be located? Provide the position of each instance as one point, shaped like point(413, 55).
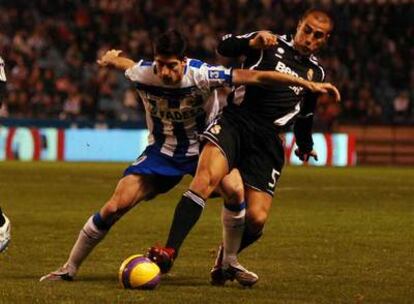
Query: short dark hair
point(170, 43)
point(319, 11)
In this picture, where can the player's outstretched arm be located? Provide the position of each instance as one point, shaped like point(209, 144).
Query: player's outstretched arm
point(269, 78)
point(111, 58)
point(324, 88)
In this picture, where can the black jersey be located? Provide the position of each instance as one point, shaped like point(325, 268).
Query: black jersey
point(278, 105)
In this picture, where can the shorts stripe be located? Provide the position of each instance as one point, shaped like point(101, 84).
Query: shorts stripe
point(260, 190)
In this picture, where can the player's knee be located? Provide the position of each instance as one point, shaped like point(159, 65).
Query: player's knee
point(204, 183)
point(255, 222)
point(119, 203)
point(113, 208)
point(235, 194)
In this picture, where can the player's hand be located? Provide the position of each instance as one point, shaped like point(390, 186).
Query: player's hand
point(263, 40)
point(325, 88)
point(107, 58)
point(306, 156)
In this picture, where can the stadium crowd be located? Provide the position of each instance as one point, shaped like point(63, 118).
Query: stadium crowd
point(50, 48)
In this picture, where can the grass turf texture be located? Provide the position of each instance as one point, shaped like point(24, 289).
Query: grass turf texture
point(333, 236)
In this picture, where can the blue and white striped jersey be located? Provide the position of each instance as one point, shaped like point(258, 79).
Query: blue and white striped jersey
point(177, 114)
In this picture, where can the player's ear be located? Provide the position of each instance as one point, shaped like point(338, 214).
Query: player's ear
point(184, 62)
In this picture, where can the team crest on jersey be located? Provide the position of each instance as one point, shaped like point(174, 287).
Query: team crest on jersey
point(215, 129)
point(309, 74)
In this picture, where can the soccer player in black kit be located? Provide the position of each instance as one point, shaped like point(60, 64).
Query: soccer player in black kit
point(246, 136)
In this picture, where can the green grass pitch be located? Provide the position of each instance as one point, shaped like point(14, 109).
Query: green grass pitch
point(333, 236)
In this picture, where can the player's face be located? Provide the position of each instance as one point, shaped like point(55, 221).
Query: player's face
point(170, 69)
point(311, 35)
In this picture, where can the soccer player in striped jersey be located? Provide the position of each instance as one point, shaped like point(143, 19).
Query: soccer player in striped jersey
point(175, 91)
point(5, 225)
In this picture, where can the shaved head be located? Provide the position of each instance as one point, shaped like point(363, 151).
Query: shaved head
point(319, 15)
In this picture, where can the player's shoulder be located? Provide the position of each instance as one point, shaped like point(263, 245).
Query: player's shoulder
point(146, 64)
point(196, 64)
point(313, 60)
point(142, 71)
point(199, 67)
point(285, 40)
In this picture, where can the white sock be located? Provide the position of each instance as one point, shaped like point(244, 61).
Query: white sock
point(88, 238)
point(233, 227)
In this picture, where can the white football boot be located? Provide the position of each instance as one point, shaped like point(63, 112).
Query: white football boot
point(240, 274)
point(5, 234)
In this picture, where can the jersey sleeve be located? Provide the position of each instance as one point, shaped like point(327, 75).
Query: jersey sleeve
point(139, 72)
point(213, 77)
point(235, 46)
point(304, 122)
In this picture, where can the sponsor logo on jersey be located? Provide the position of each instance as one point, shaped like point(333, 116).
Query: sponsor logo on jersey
point(280, 50)
point(283, 68)
point(177, 115)
point(190, 107)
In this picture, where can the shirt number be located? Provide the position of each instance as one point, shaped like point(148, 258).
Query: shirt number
point(275, 176)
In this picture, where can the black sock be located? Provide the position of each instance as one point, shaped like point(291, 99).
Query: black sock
point(249, 238)
point(2, 219)
point(186, 214)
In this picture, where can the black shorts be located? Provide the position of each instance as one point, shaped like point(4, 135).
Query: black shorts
point(255, 149)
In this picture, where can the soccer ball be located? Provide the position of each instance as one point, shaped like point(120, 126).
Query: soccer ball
point(137, 271)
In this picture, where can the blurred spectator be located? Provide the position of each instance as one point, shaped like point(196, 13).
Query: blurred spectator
point(401, 107)
point(50, 48)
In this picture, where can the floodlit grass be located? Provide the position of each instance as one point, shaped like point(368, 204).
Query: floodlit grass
point(333, 236)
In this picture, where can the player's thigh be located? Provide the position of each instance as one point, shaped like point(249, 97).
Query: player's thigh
point(231, 187)
point(131, 189)
point(225, 135)
point(212, 167)
point(258, 208)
